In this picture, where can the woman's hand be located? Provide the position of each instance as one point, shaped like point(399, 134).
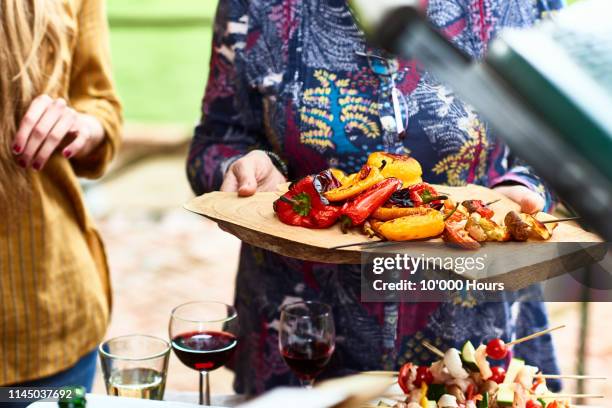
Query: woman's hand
point(530, 201)
point(50, 123)
point(253, 172)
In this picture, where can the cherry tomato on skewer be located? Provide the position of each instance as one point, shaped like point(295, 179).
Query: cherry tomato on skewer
point(404, 376)
point(533, 404)
point(423, 375)
point(499, 374)
point(497, 349)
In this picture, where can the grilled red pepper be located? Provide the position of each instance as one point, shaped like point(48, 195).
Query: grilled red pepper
point(302, 206)
point(403, 378)
point(358, 209)
point(423, 194)
point(477, 206)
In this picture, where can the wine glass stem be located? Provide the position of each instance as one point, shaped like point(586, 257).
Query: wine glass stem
point(204, 393)
point(308, 384)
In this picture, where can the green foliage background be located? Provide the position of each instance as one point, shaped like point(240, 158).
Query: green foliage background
point(161, 71)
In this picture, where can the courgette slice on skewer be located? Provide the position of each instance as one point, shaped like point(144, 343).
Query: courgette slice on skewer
point(468, 356)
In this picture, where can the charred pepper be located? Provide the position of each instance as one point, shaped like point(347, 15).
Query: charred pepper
point(366, 178)
point(303, 205)
point(477, 206)
point(423, 194)
point(357, 210)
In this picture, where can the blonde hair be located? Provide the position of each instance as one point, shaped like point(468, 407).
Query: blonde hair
point(32, 38)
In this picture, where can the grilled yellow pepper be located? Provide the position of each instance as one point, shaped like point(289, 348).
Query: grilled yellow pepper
point(366, 178)
point(391, 213)
point(402, 167)
point(426, 223)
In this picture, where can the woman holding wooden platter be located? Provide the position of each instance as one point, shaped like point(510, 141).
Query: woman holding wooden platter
point(294, 89)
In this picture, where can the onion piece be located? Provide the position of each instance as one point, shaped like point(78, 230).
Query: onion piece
point(452, 361)
point(481, 362)
point(447, 401)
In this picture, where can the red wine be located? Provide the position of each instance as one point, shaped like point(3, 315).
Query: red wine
point(206, 350)
point(307, 364)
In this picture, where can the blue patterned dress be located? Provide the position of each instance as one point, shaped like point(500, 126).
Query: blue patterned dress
point(287, 76)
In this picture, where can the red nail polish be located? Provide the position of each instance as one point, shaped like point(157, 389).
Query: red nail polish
point(67, 154)
point(37, 166)
point(17, 148)
point(22, 163)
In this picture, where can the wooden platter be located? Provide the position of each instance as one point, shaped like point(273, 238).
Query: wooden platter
point(253, 221)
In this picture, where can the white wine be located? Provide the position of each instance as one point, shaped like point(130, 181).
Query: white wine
point(143, 383)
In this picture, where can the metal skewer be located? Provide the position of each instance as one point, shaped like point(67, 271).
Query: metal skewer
point(368, 244)
point(560, 220)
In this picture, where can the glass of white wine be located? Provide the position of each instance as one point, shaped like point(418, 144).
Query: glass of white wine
point(135, 366)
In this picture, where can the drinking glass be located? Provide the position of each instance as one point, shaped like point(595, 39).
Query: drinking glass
point(204, 338)
point(135, 366)
point(307, 339)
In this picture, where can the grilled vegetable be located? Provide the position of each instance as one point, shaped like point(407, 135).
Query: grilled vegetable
point(424, 194)
point(505, 395)
point(302, 206)
point(452, 361)
point(484, 403)
point(497, 349)
point(455, 234)
point(494, 232)
point(480, 357)
point(366, 178)
point(519, 229)
point(406, 375)
point(473, 227)
point(453, 212)
point(357, 210)
point(499, 374)
point(402, 167)
point(401, 198)
point(478, 207)
point(515, 366)
point(340, 175)
point(425, 224)
point(538, 230)
point(447, 401)
point(391, 213)
point(467, 356)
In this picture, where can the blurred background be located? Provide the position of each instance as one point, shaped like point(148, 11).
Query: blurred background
point(161, 255)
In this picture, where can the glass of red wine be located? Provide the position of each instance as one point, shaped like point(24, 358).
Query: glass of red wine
point(204, 337)
point(307, 339)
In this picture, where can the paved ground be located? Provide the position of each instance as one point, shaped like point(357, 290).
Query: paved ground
point(162, 256)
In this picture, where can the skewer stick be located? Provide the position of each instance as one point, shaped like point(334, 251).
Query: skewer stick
point(492, 202)
point(556, 396)
point(433, 348)
point(534, 335)
point(382, 373)
point(366, 244)
point(571, 376)
point(560, 220)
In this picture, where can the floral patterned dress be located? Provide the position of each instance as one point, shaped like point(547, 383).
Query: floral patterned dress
point(290, 77)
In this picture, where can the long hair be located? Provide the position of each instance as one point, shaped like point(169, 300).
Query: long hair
point(32, 37)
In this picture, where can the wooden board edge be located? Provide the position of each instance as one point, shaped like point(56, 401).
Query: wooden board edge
point(524, 277)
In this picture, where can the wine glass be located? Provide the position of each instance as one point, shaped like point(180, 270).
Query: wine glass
point(135, 366)
point(307, 338)
point(204, 337)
